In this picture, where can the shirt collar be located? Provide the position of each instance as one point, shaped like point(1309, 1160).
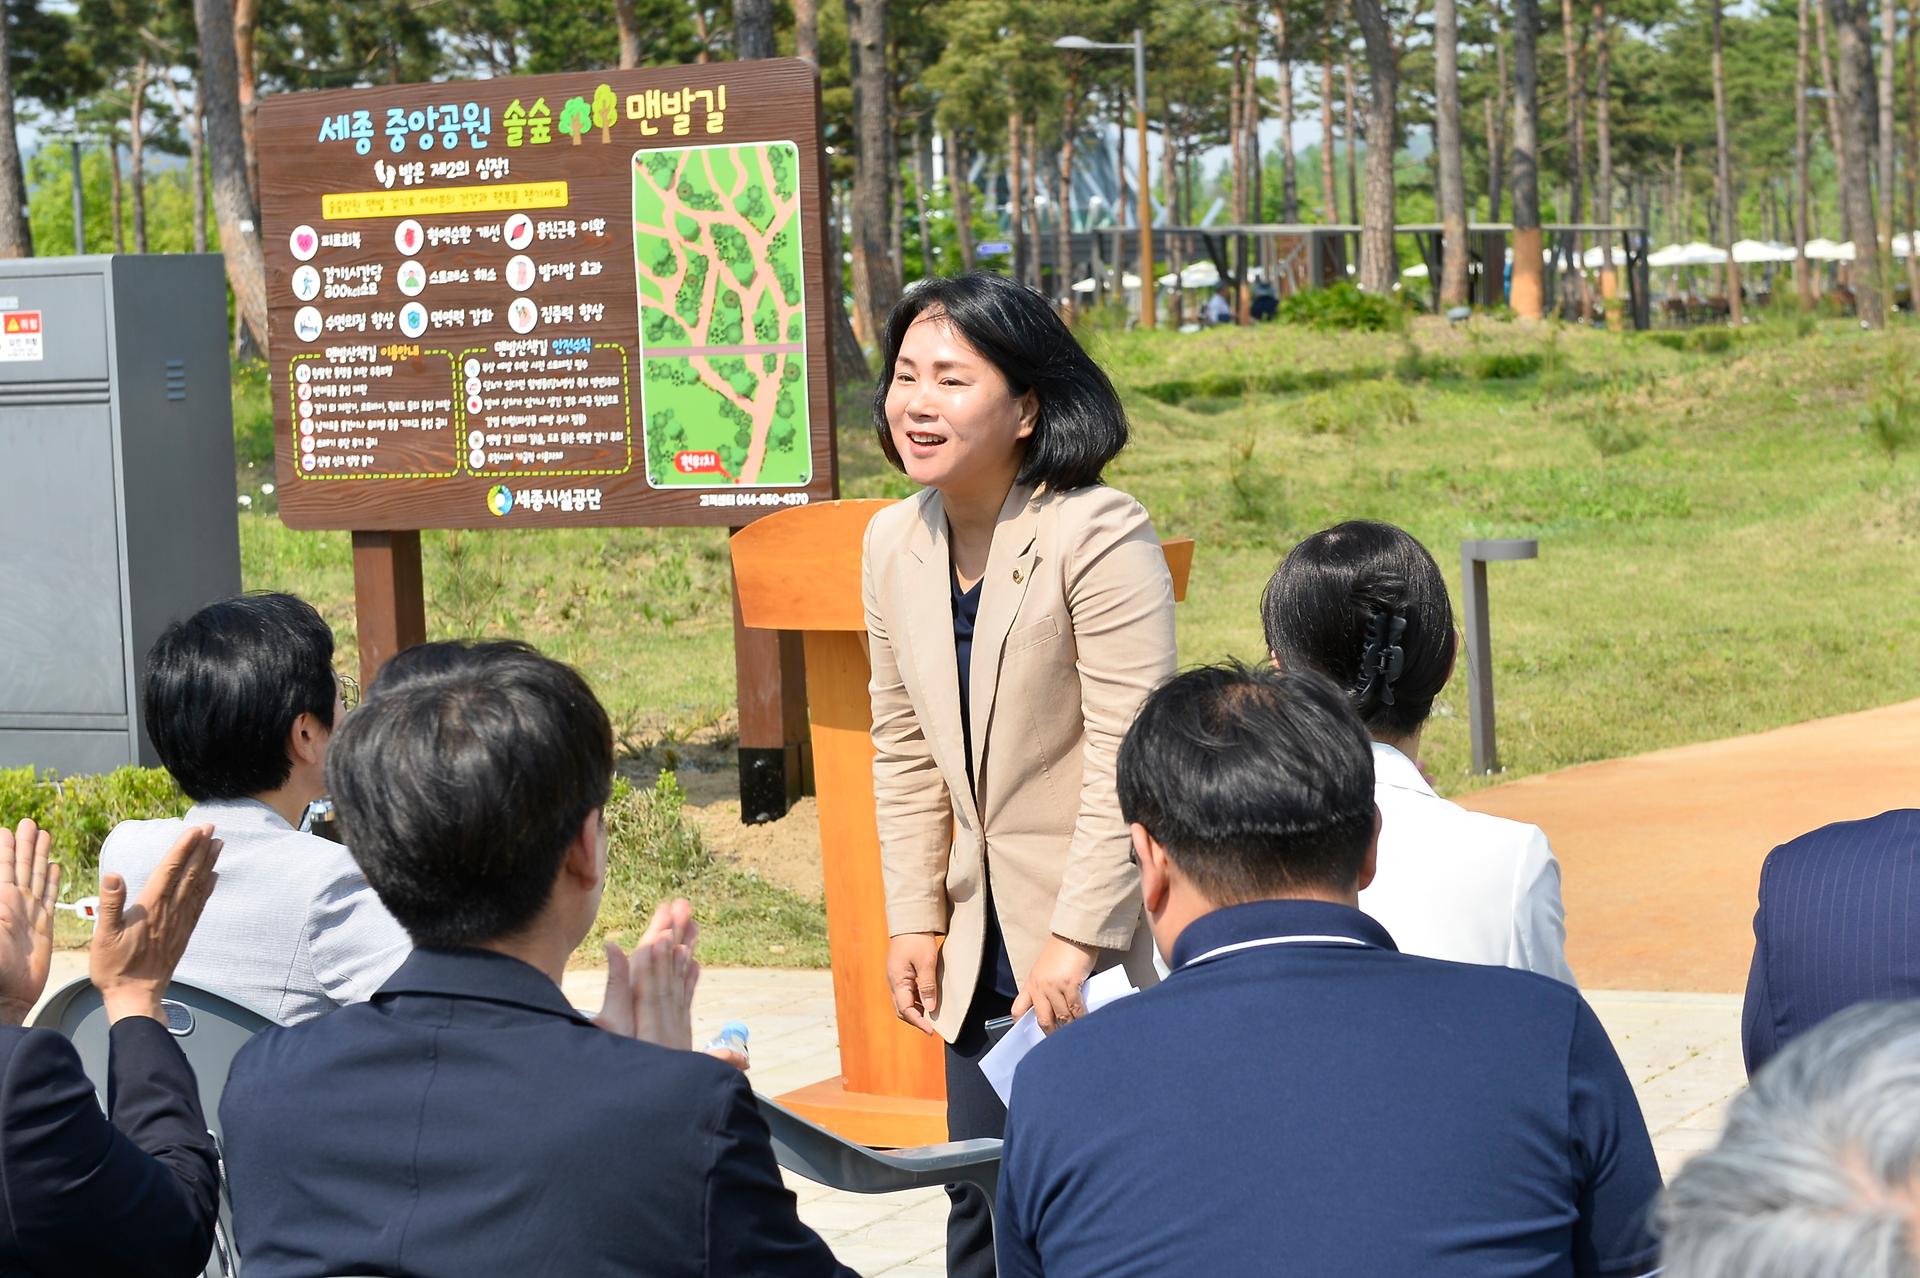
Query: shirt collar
point(1392, 768)
point(478, 974)
point(236, 813)
point(1260, 920)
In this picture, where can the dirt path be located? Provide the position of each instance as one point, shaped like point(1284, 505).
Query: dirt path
point(1660, 853)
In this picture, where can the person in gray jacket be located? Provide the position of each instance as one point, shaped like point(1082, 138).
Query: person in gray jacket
point(241, 702)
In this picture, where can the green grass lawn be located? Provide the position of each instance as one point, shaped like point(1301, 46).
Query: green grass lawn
point(1724, 545)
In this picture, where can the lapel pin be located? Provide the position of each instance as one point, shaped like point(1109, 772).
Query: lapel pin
point(1016, 577)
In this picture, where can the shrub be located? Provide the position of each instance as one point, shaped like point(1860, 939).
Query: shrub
point(1341, 307)
point(1671, 340)
point(1892, 420)
point(1504, 366)
point(1711, 341)
point(80, 811)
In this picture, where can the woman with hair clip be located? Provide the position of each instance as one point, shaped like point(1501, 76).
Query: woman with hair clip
point(1364, 604)
point(1018, 613)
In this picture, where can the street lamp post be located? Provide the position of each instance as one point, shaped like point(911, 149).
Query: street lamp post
point(1145, 216)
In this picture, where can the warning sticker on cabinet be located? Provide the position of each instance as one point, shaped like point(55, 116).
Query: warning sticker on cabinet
point(20, 337)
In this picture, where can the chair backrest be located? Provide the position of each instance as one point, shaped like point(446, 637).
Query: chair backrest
point(210, 1029)
point(808, 1149)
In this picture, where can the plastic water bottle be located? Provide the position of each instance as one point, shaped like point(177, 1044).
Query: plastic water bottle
point(731, 1038)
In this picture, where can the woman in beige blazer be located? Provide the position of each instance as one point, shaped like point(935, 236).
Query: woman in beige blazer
point(1018, 613)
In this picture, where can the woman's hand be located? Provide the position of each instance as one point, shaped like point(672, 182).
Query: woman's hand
point(911, 960)
point(1053, 986)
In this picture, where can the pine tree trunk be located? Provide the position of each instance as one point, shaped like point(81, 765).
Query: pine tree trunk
point(16, 235)
point(1497, 127)
point(1453, 177)
point(960, 193)
point(752, 29)
point(1031, 147)
point(136, 153)
point(896, 212)
point(234, 209)
point(628, 23)
point(1830, 93)
point(1889, 42)
point(1574, 289)
point(1603, 144)
point(115, 183)
point(1063, 212)
point(1329, 190)
point(245, 14)
point(1250, 131)
point(850, 369)
point(1170, 183)
point(1378, 269)
point(1289, 180)
point(1526, 295)
point(806, 29)
point(1802, 270)
point(1353, 144)
point(876, 272)
point(197, 166)
point(1016, 197)
point(1853, 41)
point(1723, 169)
point(1913, 159)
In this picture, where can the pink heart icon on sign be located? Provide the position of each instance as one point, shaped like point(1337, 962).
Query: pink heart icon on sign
point(306, 242)
point(410, 238)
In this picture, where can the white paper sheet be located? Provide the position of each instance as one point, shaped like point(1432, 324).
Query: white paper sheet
point(998, 1064)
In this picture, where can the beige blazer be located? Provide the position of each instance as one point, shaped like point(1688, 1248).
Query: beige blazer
point(1075, 628)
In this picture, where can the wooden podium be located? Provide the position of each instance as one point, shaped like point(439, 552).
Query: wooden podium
point(800, 570)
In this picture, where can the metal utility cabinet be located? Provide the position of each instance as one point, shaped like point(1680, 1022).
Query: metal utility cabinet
point(117, 496)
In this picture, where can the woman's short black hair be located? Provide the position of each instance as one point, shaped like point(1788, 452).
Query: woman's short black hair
point(1081, 426)
point(221, 691)
point(461, 781)
point(1258, 783)
point(1364, 604)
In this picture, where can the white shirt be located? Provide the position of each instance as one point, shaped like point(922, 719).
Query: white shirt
point(292, 929)
point(1460, 885)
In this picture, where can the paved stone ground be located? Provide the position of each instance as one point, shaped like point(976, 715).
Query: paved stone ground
point(1681, 1050)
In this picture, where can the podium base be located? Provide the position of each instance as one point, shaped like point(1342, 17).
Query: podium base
point(867, 1118)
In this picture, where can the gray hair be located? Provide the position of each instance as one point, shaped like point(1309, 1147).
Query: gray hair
point(1818, 1171)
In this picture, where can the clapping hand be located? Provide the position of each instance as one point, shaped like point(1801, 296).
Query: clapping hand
point(135, 950)
point(650, 994)
point(29, 885)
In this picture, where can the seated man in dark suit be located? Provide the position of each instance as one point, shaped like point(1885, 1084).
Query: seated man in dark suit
point(466, 1120)
point(1837, 909)
point(1298, 1097)
point(135, 1196)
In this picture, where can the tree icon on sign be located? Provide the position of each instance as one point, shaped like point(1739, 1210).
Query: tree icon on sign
point(606, 110)
point(575, 119)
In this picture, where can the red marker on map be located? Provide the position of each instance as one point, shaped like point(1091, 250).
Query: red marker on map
point(696, 463)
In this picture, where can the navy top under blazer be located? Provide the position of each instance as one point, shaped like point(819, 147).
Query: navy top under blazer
point(1326, 1105)
point(79, 1194)
point(467, 1121)
point(1835, 927)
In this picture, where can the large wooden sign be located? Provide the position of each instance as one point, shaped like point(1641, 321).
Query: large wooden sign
point(576, 299)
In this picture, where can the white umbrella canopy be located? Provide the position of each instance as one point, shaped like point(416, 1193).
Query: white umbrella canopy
point(1129, 281)
point(1194, 275)
point(1748, 252)
point(1824, 250)
point(1671, 255)
point(1416, 272)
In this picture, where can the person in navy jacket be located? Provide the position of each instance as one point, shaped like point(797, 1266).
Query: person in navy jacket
point(466, 1120)
point(135, 1196)
point(1298, 1096)
point(1837, 910)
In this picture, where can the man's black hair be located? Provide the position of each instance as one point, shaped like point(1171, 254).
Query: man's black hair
point(462, 780)
point(1258, 783)
point(222, 689)
point(1081, 425)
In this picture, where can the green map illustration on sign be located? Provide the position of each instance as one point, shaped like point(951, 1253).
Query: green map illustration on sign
point(723, 339)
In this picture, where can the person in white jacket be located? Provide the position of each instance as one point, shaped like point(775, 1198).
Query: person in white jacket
point(1364, 604)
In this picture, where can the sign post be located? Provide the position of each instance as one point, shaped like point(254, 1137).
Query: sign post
point(576, 300)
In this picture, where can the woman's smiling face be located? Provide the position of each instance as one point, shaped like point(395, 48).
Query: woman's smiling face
point(954, 420)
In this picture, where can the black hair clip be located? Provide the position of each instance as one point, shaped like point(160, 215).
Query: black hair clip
point(1383, 658)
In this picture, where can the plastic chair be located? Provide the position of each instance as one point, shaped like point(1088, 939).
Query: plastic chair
point(809, 1150)
point(211, 1031)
